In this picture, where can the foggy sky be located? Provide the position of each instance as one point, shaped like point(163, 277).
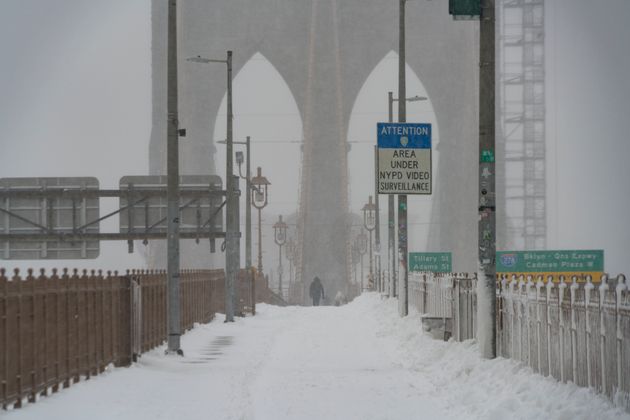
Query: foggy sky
point(75, 83)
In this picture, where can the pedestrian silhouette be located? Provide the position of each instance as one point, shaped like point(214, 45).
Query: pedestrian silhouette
point(316, 291)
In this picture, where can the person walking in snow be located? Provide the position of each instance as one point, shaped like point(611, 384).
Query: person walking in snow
point(316, 291)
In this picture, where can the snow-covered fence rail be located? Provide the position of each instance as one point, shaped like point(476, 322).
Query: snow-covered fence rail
point(431, 294)
point(573, 331)
point(578, 332)
point(464, 307)
point(57, 329)
point(446, 295)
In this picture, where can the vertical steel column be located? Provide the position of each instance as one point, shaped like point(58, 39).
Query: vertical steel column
point(402, 198)
point(487, 210)
point(377, 233)
point(172, 170)
point(231, 227)
point(391, 222)
point(248, 209)
point(236, 260)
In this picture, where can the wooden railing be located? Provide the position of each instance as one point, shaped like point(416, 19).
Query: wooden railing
point(58, 329)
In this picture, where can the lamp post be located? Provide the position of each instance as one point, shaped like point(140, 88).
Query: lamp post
point(280, 238)
point(361, 243)
point(355, 259)
point(291, 257)
point(391, 222)
point(260, 198)
point(369, 223)
point(231, 220)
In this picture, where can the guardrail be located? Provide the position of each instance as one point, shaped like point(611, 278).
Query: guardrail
point(576, 331)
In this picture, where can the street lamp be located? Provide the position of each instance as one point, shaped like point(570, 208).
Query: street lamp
point(260, 198)
point(391, 222)
point(280, 238)
point(361, 243)
point(369, 222)
point(231, 221)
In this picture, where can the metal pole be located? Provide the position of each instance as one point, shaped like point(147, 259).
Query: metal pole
point(260, 264)
point(172, 170)
point(248, 225)
point(487, 210)
point(236, 261)
point(361, 273)
point(378, 222)
point(231, 226)
point(402, 198)
point(371, 261)
point(290, 273)
point(248, 209)
point(391, 222)
point(280, 270)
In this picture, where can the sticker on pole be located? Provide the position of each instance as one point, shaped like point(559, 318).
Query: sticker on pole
point(404, 158)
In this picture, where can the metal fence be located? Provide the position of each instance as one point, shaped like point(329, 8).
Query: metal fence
point(577, 331)
point(56, 330)
point(450, 296)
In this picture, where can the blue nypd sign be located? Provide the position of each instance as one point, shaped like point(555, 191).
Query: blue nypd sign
point(404, 158)
point(404, 135)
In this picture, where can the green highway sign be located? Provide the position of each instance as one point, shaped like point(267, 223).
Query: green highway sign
point(464, 9)
point(550, 261)
point(438, 262)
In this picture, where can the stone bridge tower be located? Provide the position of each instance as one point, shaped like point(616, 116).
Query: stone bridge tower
point(325, 50)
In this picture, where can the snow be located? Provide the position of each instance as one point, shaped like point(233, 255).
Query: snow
point(358, 361)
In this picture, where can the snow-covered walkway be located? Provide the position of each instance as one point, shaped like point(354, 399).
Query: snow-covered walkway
point(359, 361)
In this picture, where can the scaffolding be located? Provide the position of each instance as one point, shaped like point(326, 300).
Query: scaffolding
point(522, 124)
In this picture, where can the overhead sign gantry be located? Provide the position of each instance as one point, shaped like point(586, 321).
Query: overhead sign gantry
point(59, 218)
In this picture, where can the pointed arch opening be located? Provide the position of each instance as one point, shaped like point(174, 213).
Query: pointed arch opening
point(265, 109)
point(371, 107)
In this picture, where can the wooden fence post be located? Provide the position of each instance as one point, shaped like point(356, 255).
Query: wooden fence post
point(41, 345)
point(31, 327)
point(53, 317)
point(4, 338)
